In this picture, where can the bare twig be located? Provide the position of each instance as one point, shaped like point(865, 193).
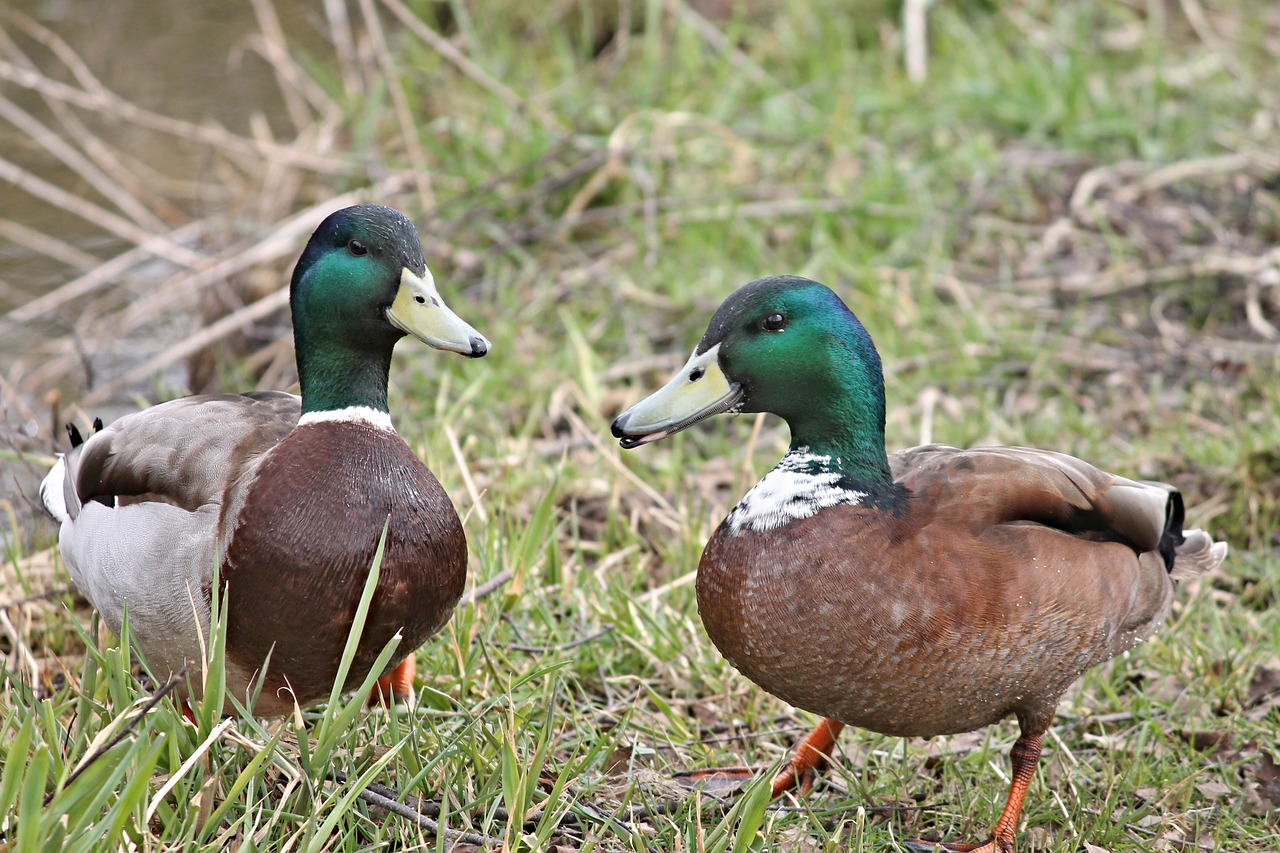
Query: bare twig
point(281, 241)
point(1109, 282)
point(48, 245)
point(560, 647)
point(103, 274)
point(288, 80)
point(487, 588)
point(1204, 31)
point(344, 45)
point(126, 201)
point(404, 116)
point(108, 103)
point(387, 799)
point(915, 38)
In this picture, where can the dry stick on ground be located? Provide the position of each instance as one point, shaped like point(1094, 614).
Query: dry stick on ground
point(276, 53)
point(344, 45)
point(1102, 284)
point(131, 176)
point(280, 242)
point(606, 628)
point(106, 273)
point(388, 799)
point(124, 732)
point(228, 325)
point(97, 151)
point(1199, 22)
point(97, 97)
point(487, 588)
point(915, 39)
point(48, 245)
point(1181, 338)
point(283, 237)
point(424, 811)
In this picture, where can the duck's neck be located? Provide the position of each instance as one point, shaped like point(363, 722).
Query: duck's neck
point(836, 416)
point(801, 485)
point(836, 456)
point(336, 378)
point(848, 441)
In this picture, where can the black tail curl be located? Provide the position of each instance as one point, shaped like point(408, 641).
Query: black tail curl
point(73, 432)
point(1172, 537)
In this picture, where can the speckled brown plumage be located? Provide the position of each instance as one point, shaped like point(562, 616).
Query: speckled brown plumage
point(930, 592)
point(985, 594)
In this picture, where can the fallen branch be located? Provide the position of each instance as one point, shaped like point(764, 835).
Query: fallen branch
point(487, 588)
point(560, 647)
point(387, 799)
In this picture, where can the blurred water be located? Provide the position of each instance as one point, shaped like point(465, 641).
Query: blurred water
point(195, 60)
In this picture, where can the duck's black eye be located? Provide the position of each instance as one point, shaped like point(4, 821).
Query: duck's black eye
point(774, 322)
point(357, 248)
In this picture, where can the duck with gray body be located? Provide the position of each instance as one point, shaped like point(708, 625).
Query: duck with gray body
point(285, 496)
point(930, 592)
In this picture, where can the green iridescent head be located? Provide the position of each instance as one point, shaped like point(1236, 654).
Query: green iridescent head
point(785, 345)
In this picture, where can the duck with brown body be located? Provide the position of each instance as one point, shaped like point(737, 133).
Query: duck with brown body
point(930, 592)
point(285, 497)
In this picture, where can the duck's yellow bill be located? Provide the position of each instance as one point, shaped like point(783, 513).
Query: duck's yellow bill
point(697, 391)
point(419, 311)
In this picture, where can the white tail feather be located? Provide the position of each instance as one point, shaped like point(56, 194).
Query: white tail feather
point(1197, 555)
point(53, 490)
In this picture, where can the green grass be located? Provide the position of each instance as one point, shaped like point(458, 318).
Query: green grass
point(941, 213)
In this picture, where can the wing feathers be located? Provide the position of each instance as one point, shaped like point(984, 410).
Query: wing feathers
point(1001, 485)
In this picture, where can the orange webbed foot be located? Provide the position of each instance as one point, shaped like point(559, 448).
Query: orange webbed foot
point(1024, 756)
point(812, 755)
point(396, 686)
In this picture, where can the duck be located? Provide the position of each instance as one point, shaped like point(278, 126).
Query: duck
point(934, 591)
point(282, 498)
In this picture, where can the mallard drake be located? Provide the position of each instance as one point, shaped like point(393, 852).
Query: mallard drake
point(285, 496)
point(931, 592)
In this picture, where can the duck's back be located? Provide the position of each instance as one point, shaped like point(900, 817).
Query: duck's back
point(988, 584)
point(140, 502)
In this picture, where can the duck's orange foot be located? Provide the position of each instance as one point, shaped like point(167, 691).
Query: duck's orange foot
point(1024, 756)
point(812, 755)
point(396, 686)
